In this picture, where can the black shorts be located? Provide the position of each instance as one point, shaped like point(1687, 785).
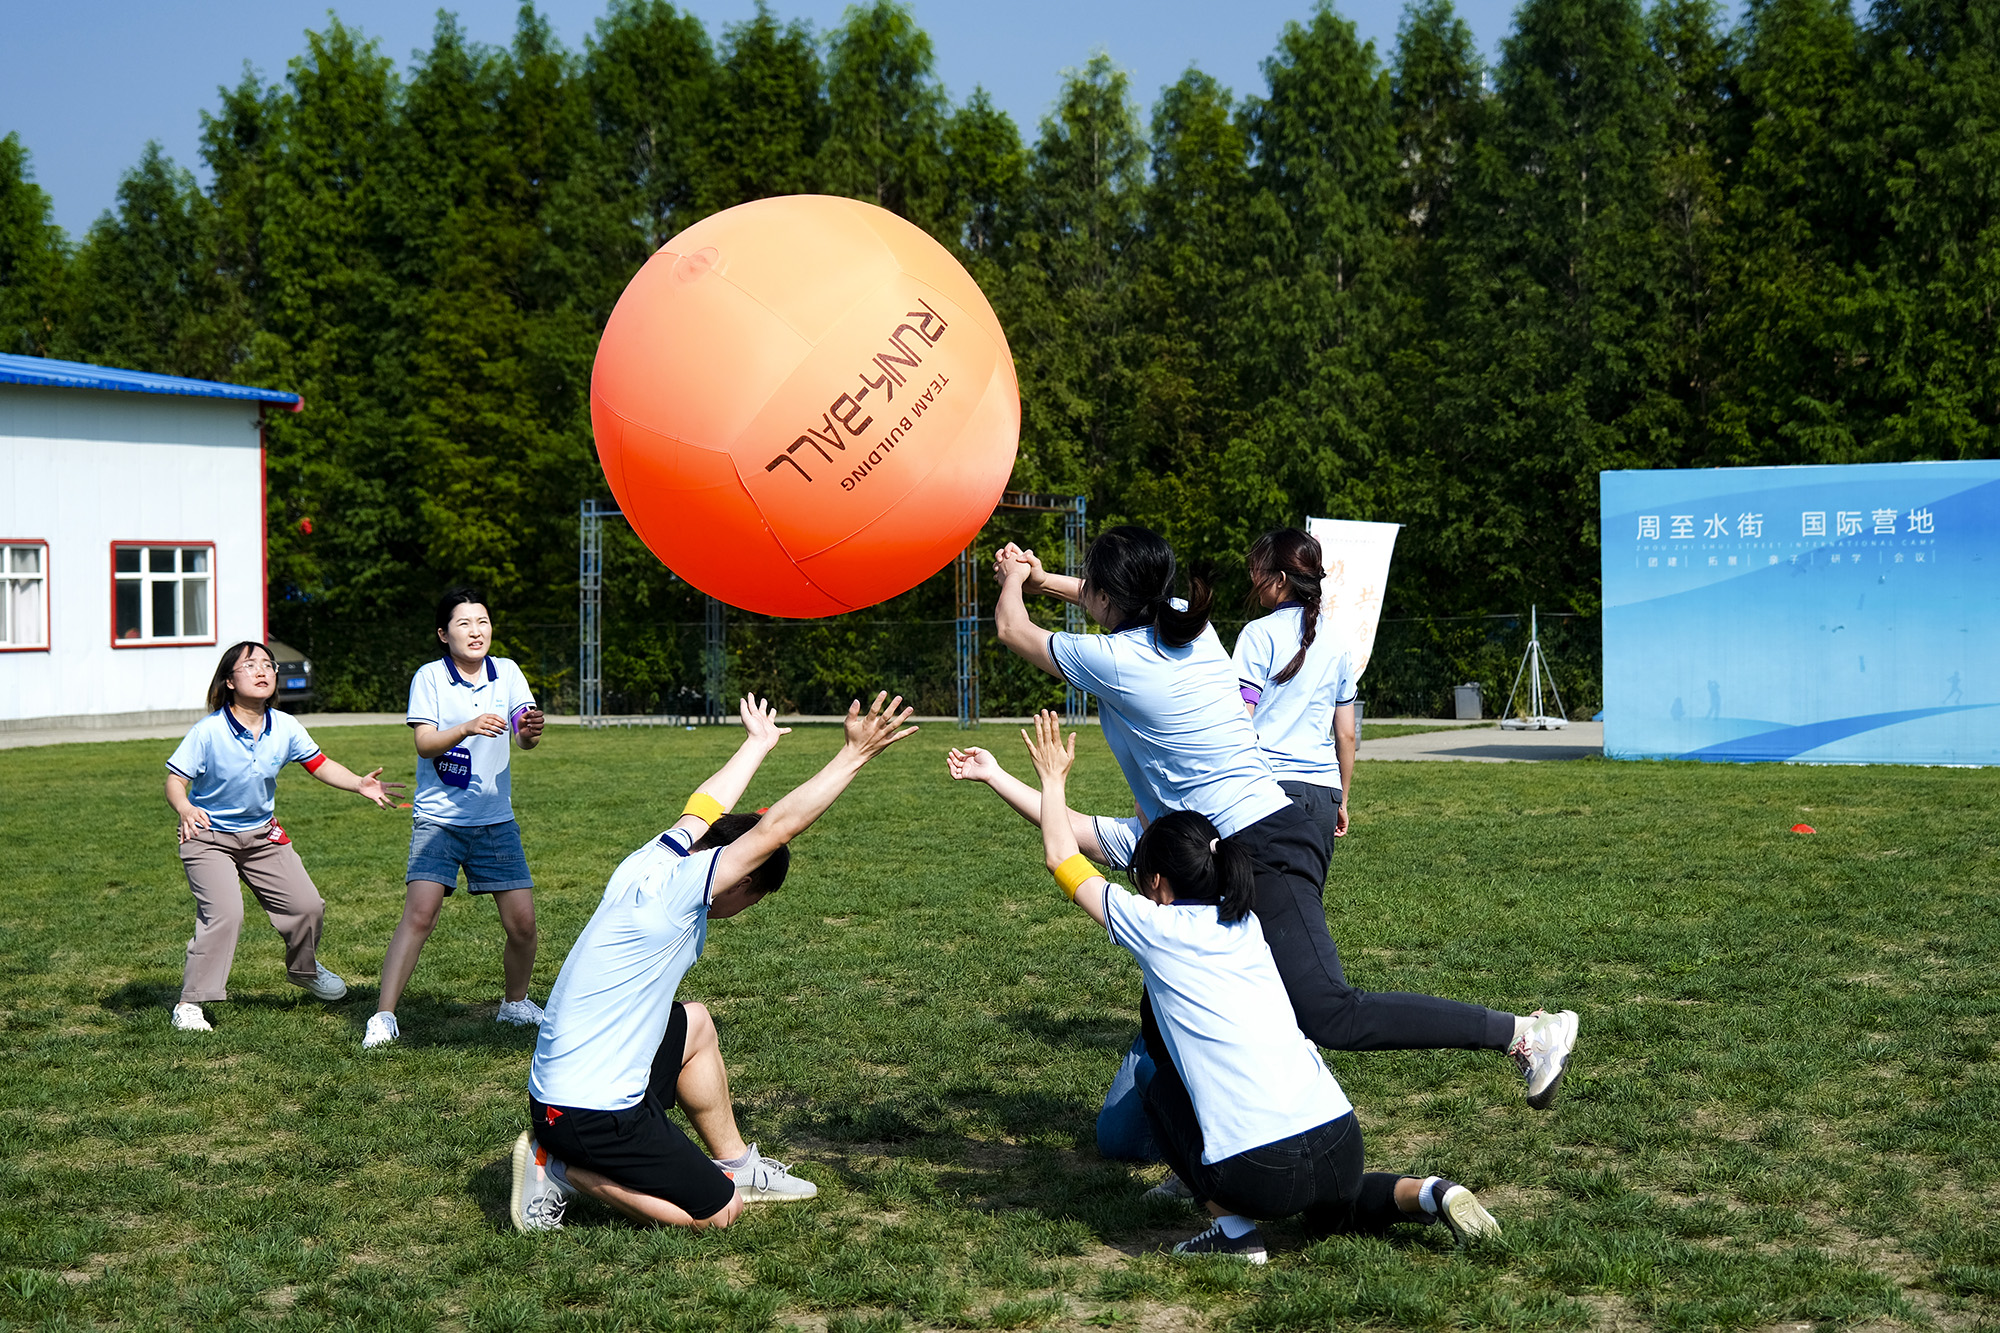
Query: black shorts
point(639, 1147)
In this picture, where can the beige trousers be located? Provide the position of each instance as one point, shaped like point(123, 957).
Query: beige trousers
point(214, 861)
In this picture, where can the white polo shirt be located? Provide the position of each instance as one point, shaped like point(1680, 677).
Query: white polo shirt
point(1175, 723)
point(1294, 720)
point(233, 775)
point(1253, 1076)
point(470, 784)
point(609, 1010)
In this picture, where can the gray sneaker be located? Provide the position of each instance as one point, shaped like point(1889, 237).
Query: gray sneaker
point(1172, 1188)
point(324, 985)
point(1543, 1053)
point(537, 1201)
point(1248, 1247)
point(764, 1179)
point(1459, 1209)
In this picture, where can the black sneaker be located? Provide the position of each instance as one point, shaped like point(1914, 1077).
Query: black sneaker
point(1248, 1247)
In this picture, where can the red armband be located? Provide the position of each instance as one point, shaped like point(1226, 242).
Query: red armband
point(312, 765)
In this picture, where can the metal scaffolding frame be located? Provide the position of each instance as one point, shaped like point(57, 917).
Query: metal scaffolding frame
point(714, 659)
point(590, 630)
point(1074, 509)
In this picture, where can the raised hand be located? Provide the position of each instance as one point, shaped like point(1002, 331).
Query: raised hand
point(760, 721)
point(1046, 747)
point(870, 733)
point(973, 765)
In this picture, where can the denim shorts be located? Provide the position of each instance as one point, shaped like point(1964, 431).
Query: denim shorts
point(490, 853)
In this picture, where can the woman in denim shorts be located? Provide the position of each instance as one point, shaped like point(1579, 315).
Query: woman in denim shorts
point(463, 707)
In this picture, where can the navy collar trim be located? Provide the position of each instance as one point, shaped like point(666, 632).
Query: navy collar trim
point(492, 673)
point(229, 716)
point(1288, 606)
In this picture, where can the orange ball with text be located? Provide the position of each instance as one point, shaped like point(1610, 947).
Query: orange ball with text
point(805, 405)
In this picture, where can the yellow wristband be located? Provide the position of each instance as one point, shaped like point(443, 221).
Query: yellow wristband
point(1074, 873)
point(704, 807)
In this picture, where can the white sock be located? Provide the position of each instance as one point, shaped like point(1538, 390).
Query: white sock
point(1234, 1227)
point(744, 1160)
point(1427, 1196)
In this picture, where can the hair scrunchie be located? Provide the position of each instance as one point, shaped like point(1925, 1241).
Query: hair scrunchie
point(1212, 845)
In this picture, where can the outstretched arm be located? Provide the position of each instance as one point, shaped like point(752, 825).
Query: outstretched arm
point(868, 734)
point(726, 786)
point(1053, 759)
point(1063, 587)
point(977, 765)
point(338, 776)
point(1017, 630)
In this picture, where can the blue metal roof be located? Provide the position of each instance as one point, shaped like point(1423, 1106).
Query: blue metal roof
point(76, 375)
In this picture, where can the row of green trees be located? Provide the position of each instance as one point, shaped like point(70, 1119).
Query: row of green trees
point(1428, 290)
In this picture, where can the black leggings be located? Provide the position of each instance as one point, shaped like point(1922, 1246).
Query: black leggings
point(1317, 1172)
point(1290, 860)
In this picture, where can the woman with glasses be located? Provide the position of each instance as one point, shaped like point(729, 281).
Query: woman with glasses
point(222, 783)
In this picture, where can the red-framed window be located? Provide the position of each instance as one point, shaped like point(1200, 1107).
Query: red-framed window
point(162, 593)
point(24, 596)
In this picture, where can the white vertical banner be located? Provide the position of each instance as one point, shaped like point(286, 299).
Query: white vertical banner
point(1355, 556)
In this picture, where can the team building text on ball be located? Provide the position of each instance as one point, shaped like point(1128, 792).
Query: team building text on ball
point(805, 405)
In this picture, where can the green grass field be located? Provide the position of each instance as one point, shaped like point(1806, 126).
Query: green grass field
point(1785, 1108)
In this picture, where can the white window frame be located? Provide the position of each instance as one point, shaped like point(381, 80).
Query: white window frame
point(148, 580)
point(9, 630)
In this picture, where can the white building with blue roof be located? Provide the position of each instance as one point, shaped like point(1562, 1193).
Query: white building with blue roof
point(132, 543)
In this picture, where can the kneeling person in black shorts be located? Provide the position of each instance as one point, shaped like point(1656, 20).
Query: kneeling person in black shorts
point(617, 1050)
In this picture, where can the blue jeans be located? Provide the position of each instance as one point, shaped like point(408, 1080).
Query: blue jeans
point(1123, 1131)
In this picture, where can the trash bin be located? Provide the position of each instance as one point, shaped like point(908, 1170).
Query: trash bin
point(1465, 702)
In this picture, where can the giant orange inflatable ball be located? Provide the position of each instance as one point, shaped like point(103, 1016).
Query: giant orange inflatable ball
point(805, 406)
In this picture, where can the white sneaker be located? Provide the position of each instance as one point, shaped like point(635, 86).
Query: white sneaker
point(764, 1180)
point(1543, 1053)
point(190, 1018)
point(324, 986)
point(1459, 1209)
point(538, 1201)
point(522, 1013)
point(381, 1031)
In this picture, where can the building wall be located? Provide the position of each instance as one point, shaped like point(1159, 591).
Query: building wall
point(83, 469)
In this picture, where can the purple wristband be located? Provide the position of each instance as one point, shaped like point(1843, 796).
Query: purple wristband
point(1251, 694)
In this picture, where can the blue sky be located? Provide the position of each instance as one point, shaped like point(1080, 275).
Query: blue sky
point(88, 82)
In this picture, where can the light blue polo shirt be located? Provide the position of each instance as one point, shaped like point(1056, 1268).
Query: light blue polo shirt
point(1253, 1076)
point(233, 775)
point(470, 784)
point(1175, 723)
point(609, 1010)
point(1294, 720)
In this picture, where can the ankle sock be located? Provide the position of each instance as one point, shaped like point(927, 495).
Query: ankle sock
point(1431, 1196)
point(1234, 1227)
point(734, 1162)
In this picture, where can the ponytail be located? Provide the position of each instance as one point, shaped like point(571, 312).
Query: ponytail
point(1184, 849)
point(1294, 556)
point(1134, 568)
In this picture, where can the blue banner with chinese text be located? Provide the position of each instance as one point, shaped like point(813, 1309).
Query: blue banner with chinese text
point(1846, 615)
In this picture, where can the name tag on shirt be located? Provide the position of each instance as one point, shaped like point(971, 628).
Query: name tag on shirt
point(454, 767)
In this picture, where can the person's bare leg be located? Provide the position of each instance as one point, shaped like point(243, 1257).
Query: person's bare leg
point(703, 1088)
point(420, 909)
point(647, 1207)
point(1408, 1196)
point(517, 961)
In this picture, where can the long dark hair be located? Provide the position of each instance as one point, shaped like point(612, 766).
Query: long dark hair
point(1176, 847)
point(1296, 556)
point(220, 692)
point(1134, 567)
